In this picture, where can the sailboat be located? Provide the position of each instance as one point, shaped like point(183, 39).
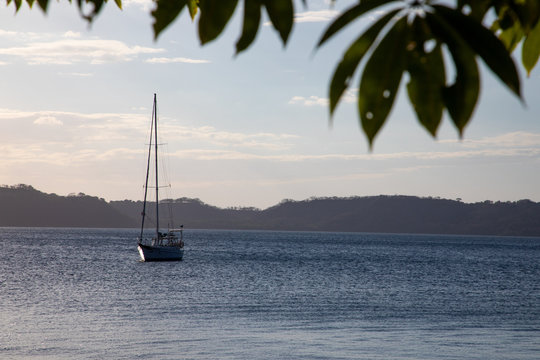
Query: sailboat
point(162, 245)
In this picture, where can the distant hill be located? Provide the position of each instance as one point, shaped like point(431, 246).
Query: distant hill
point(23, 205)
point(409, 214)
point(386, 214)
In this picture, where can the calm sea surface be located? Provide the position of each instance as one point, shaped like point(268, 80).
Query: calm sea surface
point(84, 294)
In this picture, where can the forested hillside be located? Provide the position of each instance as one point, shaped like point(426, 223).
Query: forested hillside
point(393, 214)
point(22, 205)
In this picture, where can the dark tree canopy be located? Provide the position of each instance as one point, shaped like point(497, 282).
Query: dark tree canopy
point(411, 37)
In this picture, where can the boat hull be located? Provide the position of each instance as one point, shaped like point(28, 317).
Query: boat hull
point(160, 253)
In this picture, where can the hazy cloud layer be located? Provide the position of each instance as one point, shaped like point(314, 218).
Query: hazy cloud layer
point(165, 60)
point(72, 48)
point(48, 120)
point(69, 50)
point(350, 96)
point(309, 101)
point(107, 132)
point(513, 139)
point(315, 16)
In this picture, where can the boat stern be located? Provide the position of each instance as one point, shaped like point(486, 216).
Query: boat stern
point(141, 252)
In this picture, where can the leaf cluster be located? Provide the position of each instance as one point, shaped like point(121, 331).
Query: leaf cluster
point(517, 22)
point(411, 38)
point(88, 14)
point(215, 14)
point(435, 47)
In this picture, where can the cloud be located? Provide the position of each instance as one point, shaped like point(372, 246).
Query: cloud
point(425, 157)
point(22, 36)
point(76, 74)
point(210, 136)
point(315, 16)
point(312, 16)
point(10, 114)
point(221, 154)
point(145, 5)
point(89, 136)
point(309, 101)
point(72, 34)
point(7, 34)
point(48, 120)
point(464, 154)
point(350, 96)
point(71, 50)
point(106, 127)
point(513, 139)
point(62, 154)
point(13, 114)
point(164, 60)
point(95, 129)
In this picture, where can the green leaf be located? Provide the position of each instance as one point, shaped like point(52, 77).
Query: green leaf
point(485, 44)
point(461, 97)
point(252, 18)
point(427, 79)
point(215, 14)
point(512, 36)
point(42, 4)
point(531, 49)
point(478, 8)
point(281, 13)
point(381, 78)
point(193, 6)
point(352, 57)
point(96, 8)
point(350, 15)
point(165, 13)
point(526, 11)
point(532, 8)
point(18, 4)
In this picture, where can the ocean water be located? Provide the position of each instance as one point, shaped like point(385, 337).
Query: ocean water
point(84, 294)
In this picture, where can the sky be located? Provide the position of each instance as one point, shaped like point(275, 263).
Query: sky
point(247, 130)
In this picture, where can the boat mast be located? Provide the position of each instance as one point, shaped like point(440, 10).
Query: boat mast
point(156, 160)
point(147, 172)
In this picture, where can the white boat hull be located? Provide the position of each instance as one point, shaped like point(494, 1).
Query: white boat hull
point(160, 253)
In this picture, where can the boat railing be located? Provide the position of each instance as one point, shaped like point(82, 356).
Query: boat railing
point(169, 238)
